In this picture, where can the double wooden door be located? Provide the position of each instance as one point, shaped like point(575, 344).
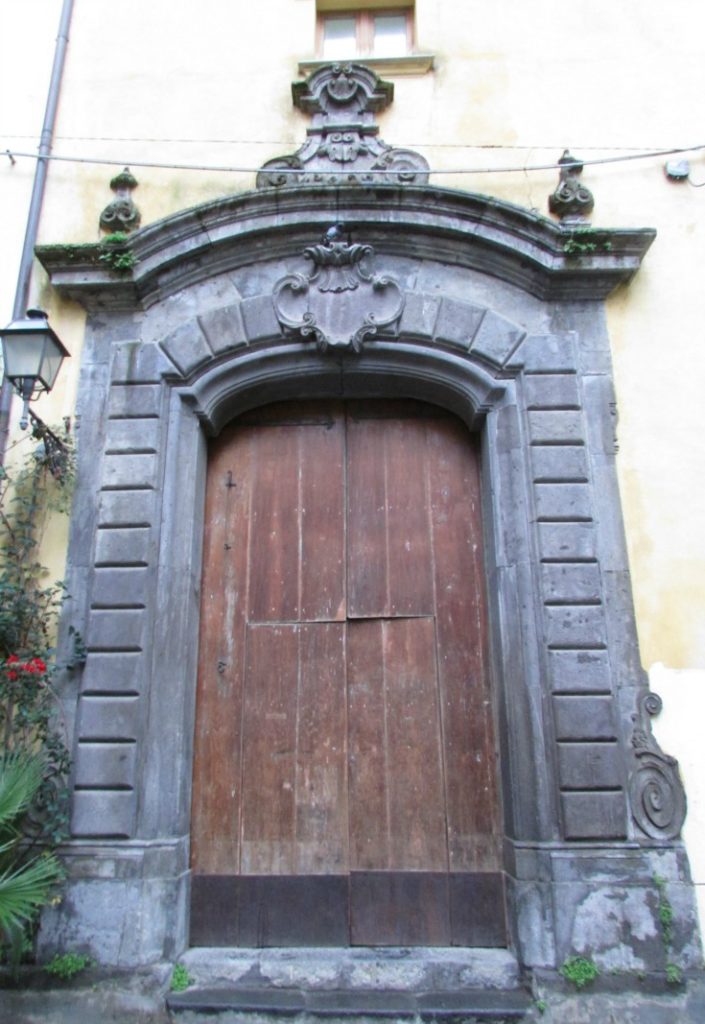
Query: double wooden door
point(344, 768)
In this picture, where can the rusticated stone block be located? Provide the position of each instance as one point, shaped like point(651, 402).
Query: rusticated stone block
point(129, 471)
point(187, 347)
point(106, 765)
point(116, 588)
point(418, 319)
point(497, 339)
point(584, 718)
point(549, 353)
point(224, 328)
point(575, 626)
point(116, 629)
point(551, 391)
point(133, 435)
point(108, 718)
point(259, 319)
point(135, 363)
point(579, 670)
point(563, 502)
point(567, 541)
point(571, 583)
point(589, 766)
point(126, 508)
point(113, 672)
point(457, 323)
point(594, 815)
point(561, 462)
point(126, 400)
point(103, 812)
point(122, 547)
point(556, 426)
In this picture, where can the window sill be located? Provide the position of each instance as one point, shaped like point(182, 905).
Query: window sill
point(413, 64)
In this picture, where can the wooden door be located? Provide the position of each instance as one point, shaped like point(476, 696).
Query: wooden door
point(344, 770)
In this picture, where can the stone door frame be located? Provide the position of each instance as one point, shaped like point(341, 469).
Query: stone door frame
point(499, 326)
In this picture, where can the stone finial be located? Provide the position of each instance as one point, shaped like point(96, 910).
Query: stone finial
point(571, 200)
point(343, 144)
point(121, 214)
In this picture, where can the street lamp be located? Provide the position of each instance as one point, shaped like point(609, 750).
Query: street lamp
point(32, 355)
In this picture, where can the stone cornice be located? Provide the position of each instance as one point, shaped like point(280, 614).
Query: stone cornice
point(421, 222)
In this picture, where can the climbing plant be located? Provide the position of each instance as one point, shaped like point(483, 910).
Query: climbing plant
point(31, 733)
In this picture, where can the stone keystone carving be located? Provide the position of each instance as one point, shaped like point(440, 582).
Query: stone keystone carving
point(655, 788)
point(343, 146)
point(571, 200)
point(341, 302)
point(121, 214)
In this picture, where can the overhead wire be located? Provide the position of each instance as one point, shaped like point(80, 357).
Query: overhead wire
point(235, 169)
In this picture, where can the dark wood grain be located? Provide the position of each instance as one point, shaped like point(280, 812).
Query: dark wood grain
point(345, 724)
point(368, 768)
point(217, 741)
point(395, 908)
point(269, 750)
point(321, 751)
point(468, 729)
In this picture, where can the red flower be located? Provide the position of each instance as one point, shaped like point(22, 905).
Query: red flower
point(35, 666)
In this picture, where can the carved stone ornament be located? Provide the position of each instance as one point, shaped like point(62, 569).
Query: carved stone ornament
point(571, 200)
point(341, 302)
point(122, 214)
point(343, 146)
point(655, 788)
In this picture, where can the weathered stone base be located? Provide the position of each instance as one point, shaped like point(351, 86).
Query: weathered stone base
point(602, 902)
point(123, 904)
point(127, 905)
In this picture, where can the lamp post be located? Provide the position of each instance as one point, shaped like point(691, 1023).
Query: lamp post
point(32, 356)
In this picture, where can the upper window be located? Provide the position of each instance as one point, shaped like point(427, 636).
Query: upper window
point(343, 35)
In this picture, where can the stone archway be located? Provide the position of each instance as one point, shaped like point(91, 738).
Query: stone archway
point(195, 337)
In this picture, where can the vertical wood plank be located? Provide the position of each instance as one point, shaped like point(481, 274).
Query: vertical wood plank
point(275, 526)
point(321, 766)
point(417, 819)
point(461, 630)
point(216, 774)
point(367, 522)
point(368, 770)
point(323, 520)
point(269, 749)
point(408, 529)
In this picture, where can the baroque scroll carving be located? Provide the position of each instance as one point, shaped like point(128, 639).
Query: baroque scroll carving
point(343, 144)
point(341, 302)
point(655, 788)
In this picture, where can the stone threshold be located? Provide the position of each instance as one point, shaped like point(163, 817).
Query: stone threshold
point(238, 1004)
point(351, 984)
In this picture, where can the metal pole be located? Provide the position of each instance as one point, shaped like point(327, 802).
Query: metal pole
point(24, 275)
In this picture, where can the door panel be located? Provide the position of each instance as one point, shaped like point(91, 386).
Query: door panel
point(344, 737)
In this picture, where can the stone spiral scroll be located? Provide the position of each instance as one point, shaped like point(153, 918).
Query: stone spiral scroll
point(655, 788)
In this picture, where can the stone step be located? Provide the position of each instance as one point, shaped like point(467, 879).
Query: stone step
point(268, 1005)
point(415, 969)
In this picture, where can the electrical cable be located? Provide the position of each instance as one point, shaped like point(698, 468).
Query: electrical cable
point(233, 169)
